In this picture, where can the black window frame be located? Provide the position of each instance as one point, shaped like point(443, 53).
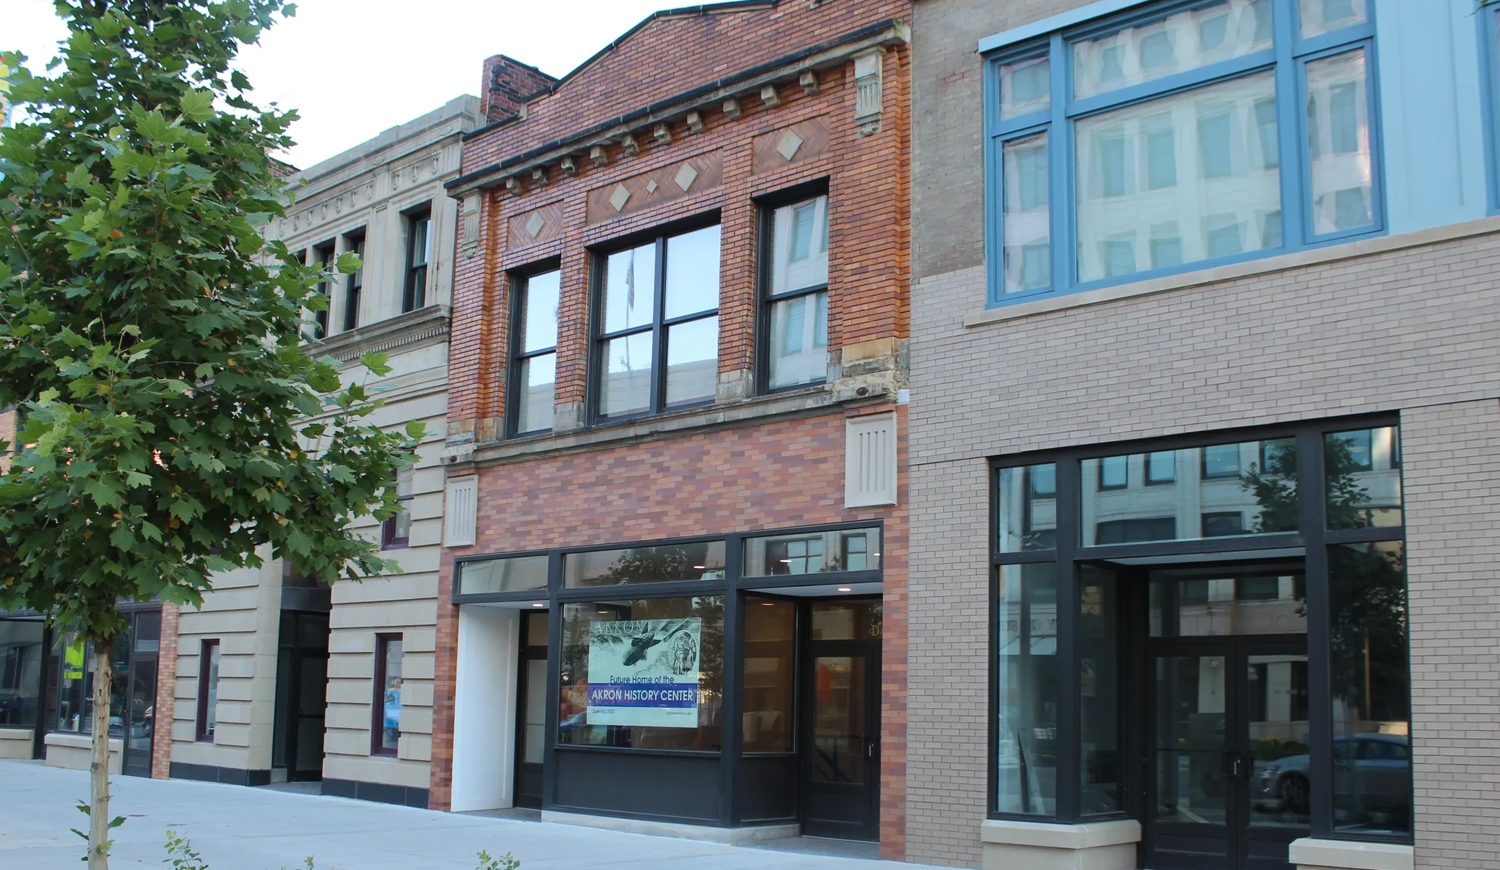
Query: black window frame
point(203, 730)
point(1203, 471)
point(1124, 460)
point(520, 281)
point(413, 296)
point(1208, 516)
point(383, 641)
point(1070, 556)
point(766, 299)
point(324, 254)
point(599, 339)
point(354, 283)
point(389, 540)
point(732, 585)
point(1170, 479)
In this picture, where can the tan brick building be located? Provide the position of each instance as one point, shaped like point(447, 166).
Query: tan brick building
point(1204, 428)
point(678, 356)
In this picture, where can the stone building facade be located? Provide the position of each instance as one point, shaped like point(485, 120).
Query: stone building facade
point(277, 677)
point(1329, 295)
point(680, 334)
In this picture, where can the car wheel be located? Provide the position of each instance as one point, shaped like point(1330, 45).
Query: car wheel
point(1293, 791)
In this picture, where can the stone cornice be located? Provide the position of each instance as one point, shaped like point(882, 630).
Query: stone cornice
point(424, 326)
point(749, 83)
point(810, 402)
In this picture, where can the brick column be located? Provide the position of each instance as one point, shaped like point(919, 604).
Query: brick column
point(166, 694)
point(1450, 456)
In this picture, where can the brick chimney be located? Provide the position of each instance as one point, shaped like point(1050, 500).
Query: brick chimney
point(507, 83)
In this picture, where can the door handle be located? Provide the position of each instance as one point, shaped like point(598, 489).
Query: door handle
point(870, 745)
point(1234, 765)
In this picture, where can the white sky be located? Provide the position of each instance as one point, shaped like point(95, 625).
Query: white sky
point(353, 68)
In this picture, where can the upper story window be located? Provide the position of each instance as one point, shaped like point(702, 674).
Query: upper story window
point(796, 295)
point(395, 533)
point(534, 356)
point(1181, 135)
point(657, 332)
point(355, 281)
point(418, 250)
point(323, 261)
point(1489, 33)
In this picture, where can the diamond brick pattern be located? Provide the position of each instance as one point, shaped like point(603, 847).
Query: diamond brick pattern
point(691, 177)
point(619, 196)
point(801, 142)
point(535, 227)
point(789, 144)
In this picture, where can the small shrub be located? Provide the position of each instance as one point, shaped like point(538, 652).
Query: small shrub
point(180, 854)
point(504, 862)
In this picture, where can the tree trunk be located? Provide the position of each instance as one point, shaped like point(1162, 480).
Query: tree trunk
point(99, 767)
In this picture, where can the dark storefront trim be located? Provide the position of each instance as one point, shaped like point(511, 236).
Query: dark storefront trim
point(376, 792)
point(1063, 546)
point(704, 787)
point(225, 775)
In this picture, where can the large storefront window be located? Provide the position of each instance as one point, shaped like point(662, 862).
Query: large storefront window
point(646, 673)
point(770, 674)
point(22, 659)
point(1026, 663)
point(1099, 690)
point(1208, 635)
point(690, 671)
point(1371, 697)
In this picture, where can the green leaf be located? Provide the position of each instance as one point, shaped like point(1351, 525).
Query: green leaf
point(377, 363)
point(79, 177)
point(104, 493)
point(198, 106)
point(134, 479)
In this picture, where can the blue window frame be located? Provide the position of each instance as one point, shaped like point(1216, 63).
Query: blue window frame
point(1180, 135)
point(1488, 19)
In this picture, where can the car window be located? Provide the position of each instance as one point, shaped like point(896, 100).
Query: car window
point(1383, 750)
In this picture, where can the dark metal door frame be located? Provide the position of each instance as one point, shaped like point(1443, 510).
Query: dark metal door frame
point(534, 772)
point(291, 717)
point(1237, 761)
point(869, 650)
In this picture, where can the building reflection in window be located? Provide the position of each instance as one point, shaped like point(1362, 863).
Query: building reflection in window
point(813, 553)
point(1218, 490)
point(769, 683)
point(1026, 665)
point(1371, 679)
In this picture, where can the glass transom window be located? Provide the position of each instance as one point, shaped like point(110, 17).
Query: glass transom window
point(1180, 135)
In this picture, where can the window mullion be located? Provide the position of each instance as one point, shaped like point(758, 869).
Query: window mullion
point(1060, 168)
point(658, 331)
point(1291, 129)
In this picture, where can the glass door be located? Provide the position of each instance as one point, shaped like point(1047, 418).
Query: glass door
point(301, 695)
point(1228, 779)
point(531, 709)
point(842, 764)
point(138, 711)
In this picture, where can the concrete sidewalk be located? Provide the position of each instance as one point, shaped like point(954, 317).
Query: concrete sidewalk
point(237, 828)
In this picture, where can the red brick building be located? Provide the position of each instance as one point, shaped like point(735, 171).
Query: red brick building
point(678, 361)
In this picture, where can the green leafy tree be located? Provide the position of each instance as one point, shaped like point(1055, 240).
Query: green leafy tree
point(174, 425)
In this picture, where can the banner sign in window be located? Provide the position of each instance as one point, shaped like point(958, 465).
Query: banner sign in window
point(644, 672)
